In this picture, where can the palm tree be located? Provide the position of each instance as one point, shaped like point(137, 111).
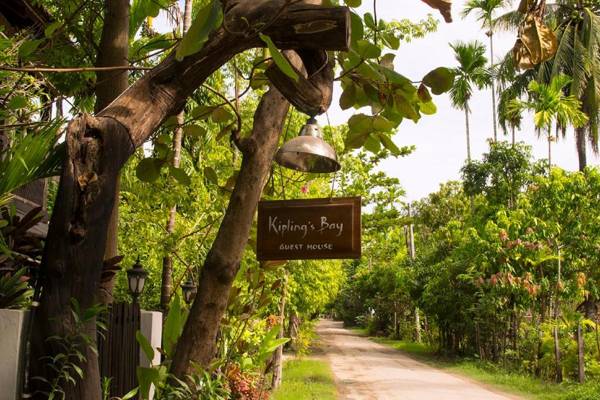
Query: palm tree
point(551, 106)
point(471, 73)
point(485, 10)
point(577, 27)
point(578, 55)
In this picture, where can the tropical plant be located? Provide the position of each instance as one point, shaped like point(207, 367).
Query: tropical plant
point(551, 106)
point(578, 55)
point(30, 156)
point(485, 11)
point(577, 28)
point(471, 73)
point(14, 290)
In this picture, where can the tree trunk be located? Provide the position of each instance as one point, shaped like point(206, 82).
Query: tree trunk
point(493, 86)
point(580, 353)
point(197, 342)
point(166, 286)
point(278, 356)
point(580, 138)
point(98, 147)
point(549, 153)
point(468, 133)
point(113, 51)
point(513, 139)
point(557, 357)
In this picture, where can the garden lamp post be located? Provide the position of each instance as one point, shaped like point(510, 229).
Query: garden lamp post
point(189, 290)
point(136, 277)
point(308, 152)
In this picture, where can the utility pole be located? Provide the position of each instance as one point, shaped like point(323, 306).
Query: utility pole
point(411, 252)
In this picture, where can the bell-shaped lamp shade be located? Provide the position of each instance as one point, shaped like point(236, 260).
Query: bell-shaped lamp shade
point(308, 152)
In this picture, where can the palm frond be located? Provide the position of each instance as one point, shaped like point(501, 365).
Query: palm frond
point(30, 157)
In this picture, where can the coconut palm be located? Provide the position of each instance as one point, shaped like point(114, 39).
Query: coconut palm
point(471, 73)
point(577, 27)
point(551, 106)
point(485, 10)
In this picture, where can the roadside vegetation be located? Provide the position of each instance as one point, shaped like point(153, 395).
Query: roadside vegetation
point(306, 379)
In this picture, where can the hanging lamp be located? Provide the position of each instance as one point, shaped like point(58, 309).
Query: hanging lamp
point(308, 152)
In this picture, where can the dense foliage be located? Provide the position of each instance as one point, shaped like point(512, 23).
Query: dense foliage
point(505, 269)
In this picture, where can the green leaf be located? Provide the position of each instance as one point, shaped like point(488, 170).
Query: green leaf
point(130, 395)
point(145, 345)
point(180, 176)
point(211, 175)
point(382, 124)
point(146, 377)
point(28, 47)
point(389, 144)
point(221, 115)
point(207, 19)
point(148, 170)
point(353, 3)
point(51, 28)
point(202, 112)
point(281, 62)
point(372, 144)
point(367, 49)
point(17, 102)
point(142, 9)
point(360, 123)
point(348, 97)
point(194, 131)
point(390, 40)
point(370, 21)
point(173, 326)
point(440, 80)
point(358, 29)
point(428, 108)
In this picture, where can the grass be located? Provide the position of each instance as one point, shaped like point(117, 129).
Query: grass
point(493, 375)
point(305, 379)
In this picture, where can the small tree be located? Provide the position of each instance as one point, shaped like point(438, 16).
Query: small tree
point(470, 72)
point(550, 105)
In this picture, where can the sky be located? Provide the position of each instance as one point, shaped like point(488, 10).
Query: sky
point(440, 139)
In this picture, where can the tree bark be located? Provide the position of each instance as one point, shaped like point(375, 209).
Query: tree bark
point(98, 147)
point(113, 51)
point(580, 139)
point(166, 286)
point(468, 131)
point(495, 126)
point(197, 343)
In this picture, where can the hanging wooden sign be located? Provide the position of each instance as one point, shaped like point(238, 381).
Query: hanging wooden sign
point(309, 229)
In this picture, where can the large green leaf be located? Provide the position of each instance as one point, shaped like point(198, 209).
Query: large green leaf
point(207, 20)
point(282, 63)
point(142, 9)
point(440, 80)
point(148, 170)
point(145, 345)
point(173, 325)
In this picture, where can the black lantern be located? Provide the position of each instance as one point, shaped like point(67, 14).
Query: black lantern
point(189, 291)
point(136, 277)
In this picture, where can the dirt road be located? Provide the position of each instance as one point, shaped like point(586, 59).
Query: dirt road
point(365, 370)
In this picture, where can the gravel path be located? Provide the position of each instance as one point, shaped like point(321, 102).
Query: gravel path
point(365, 370)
